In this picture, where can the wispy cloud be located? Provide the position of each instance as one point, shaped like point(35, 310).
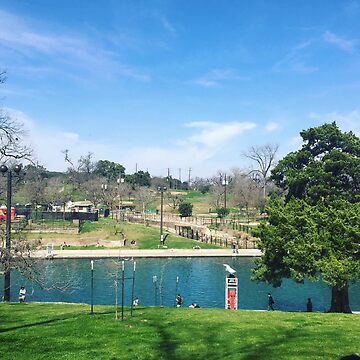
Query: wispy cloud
point(347, 121)
point(339, 42)
point(213, 134)
point(271, 126)
point(216, 77)
point(72, 52)
point(168, 26)
point(201, 148)
point(297, 60)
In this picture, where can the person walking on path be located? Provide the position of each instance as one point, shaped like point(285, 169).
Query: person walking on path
point(271, 302)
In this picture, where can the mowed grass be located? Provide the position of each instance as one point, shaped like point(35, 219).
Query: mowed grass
point(146, 237)
point(65, 331)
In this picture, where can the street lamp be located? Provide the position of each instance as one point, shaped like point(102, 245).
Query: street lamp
point(92, 287)
point(161, 189)
point(225, 182)
point(119, 181)
point(104, 189)
point(5, 170)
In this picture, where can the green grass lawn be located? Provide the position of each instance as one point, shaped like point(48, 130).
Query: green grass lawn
point(146, 237)
point(64, 331)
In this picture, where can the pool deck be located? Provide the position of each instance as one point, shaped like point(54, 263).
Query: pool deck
point(109, 253)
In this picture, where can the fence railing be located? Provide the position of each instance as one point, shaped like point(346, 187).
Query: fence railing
point(192, 230)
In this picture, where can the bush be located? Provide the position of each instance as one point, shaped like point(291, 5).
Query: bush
point(222, 212)
point(185, 209)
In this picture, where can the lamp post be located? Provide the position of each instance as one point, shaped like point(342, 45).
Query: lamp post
point(104, 189)
point(7, 259)
point(92, 287)
point(119, 181)
point(161, 189)
point(225, 182)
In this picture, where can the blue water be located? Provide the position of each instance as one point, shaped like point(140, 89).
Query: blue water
point(201, 280)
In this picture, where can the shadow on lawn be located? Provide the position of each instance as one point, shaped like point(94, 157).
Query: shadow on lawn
point(45, 322)
point(167, 344)
point(50, 321)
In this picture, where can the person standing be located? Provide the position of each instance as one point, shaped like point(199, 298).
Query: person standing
point(179, 300)
point(309, 306)
point(22, 294)
point(271, 302)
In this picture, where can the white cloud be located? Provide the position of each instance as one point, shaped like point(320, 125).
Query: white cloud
point(271, 126)
point(347, 122)
point(216, 77)
point(340, 42)
point(201, 149)
point(214, 134)
point(75, 53)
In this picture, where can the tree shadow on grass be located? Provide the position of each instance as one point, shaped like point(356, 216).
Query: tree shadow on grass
point(167, 344)
point(45, 322)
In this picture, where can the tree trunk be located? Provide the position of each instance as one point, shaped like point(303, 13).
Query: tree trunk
point(340, 300)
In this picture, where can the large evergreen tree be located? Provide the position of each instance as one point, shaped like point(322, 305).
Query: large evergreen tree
point(315, 232)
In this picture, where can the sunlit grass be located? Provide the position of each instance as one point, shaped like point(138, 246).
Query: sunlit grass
point(146, 237)
point(62, 331)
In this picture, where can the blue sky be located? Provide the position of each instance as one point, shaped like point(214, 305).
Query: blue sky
point(177, 84)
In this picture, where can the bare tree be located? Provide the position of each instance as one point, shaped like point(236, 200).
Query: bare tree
point(80, 171)
point(12, 135)
point(93, 191)
point(144, 197)
point(264, 157)
point(174, 200)
point(246, 193)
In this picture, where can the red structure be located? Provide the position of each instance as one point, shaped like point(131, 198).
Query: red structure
point(231, 292)
point(3, 213)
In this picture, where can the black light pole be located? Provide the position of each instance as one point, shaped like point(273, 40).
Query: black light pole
point(161, 189)
point(92, 287)
point(122, 289)
point(225, 182)
point(7, 283)
point(132, 289)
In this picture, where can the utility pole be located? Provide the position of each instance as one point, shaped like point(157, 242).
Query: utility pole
point(189, 177)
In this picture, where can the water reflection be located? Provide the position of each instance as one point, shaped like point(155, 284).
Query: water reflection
point(201, 280)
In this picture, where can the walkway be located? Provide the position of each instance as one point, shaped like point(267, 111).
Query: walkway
point(109, 253)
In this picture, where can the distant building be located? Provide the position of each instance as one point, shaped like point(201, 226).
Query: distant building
point(80, 206)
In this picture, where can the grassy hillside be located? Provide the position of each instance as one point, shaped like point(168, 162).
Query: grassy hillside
point(63, 331)
point(108, 230)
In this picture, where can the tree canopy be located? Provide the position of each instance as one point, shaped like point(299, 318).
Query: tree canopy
point(327, 165)
point(315, 231)
point(308, 241)
point(109, 170)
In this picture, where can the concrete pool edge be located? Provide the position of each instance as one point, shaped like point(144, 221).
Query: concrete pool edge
point(109, 253)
